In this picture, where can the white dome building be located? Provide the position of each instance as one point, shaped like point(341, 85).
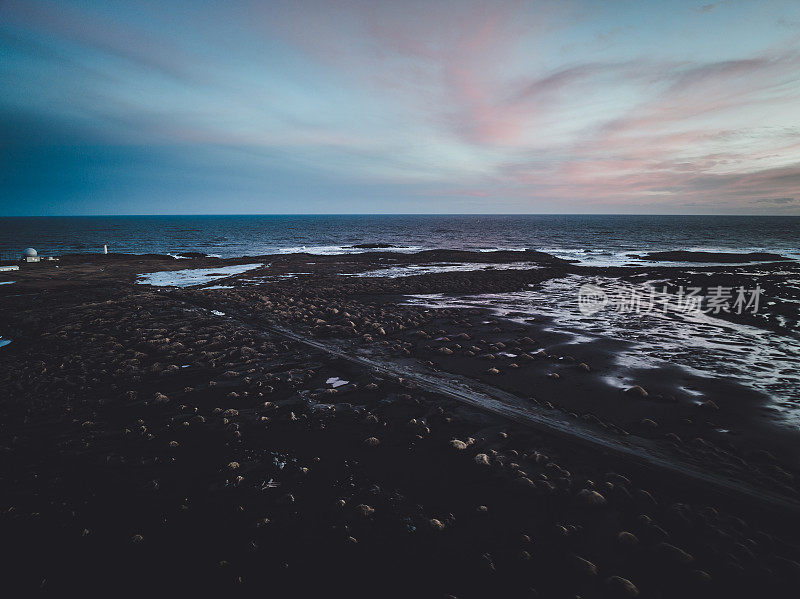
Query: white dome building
point(30, 255)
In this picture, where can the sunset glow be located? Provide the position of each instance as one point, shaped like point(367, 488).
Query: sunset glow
point(286, 107)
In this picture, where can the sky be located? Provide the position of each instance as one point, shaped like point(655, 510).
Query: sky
point(238, 107)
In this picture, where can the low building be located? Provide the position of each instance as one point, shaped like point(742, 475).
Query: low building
point(30, 255)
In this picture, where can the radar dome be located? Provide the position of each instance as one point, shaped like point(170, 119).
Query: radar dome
point(30, 253)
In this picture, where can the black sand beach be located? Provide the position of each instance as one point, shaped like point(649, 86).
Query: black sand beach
point(297, 430)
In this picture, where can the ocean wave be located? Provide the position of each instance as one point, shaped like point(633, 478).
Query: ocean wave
point(327, 250)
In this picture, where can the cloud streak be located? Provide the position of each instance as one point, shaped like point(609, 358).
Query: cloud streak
point(554, 107)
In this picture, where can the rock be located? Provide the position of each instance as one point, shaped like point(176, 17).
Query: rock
point(233, 465)
point(458, 444)
point(365, 510)
point(621, 587)
point(493, 371)
point(584, 566)
point(636, 391)
point(657, 534)
point(372, 442)
point(436, 524)
point(674, 554)
point(546, 487)
point(627, 538)
point(646, 422)
point(618, 479)
point(137, 538)
point(585, 367)
point(645, 497)
point(482, 459)
point(591, 498)
point(701, 576)
point(488, 562)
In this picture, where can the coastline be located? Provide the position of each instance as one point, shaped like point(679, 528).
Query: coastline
point(534, 483)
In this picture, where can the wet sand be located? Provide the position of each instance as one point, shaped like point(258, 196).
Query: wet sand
point(174, 440)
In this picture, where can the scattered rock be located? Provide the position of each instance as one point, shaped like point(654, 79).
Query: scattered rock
point(591, 498)
point(621, 587)
point(436, 524)
point(636, 391)
point(365, 510)
point(674, 554)
point(701, 576)
point(482, 459)
point(584, 566)
point(458, 444)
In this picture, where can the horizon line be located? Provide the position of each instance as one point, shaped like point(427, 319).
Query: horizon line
point(397, 214)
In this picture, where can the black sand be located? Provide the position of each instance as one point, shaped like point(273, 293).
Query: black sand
point(150, 445)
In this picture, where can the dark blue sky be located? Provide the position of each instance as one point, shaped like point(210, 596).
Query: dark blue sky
point(293, 107)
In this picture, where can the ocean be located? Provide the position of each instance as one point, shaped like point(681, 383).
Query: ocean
point(602, 240)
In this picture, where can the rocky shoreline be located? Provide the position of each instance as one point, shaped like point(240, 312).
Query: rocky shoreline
point(169, 440)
